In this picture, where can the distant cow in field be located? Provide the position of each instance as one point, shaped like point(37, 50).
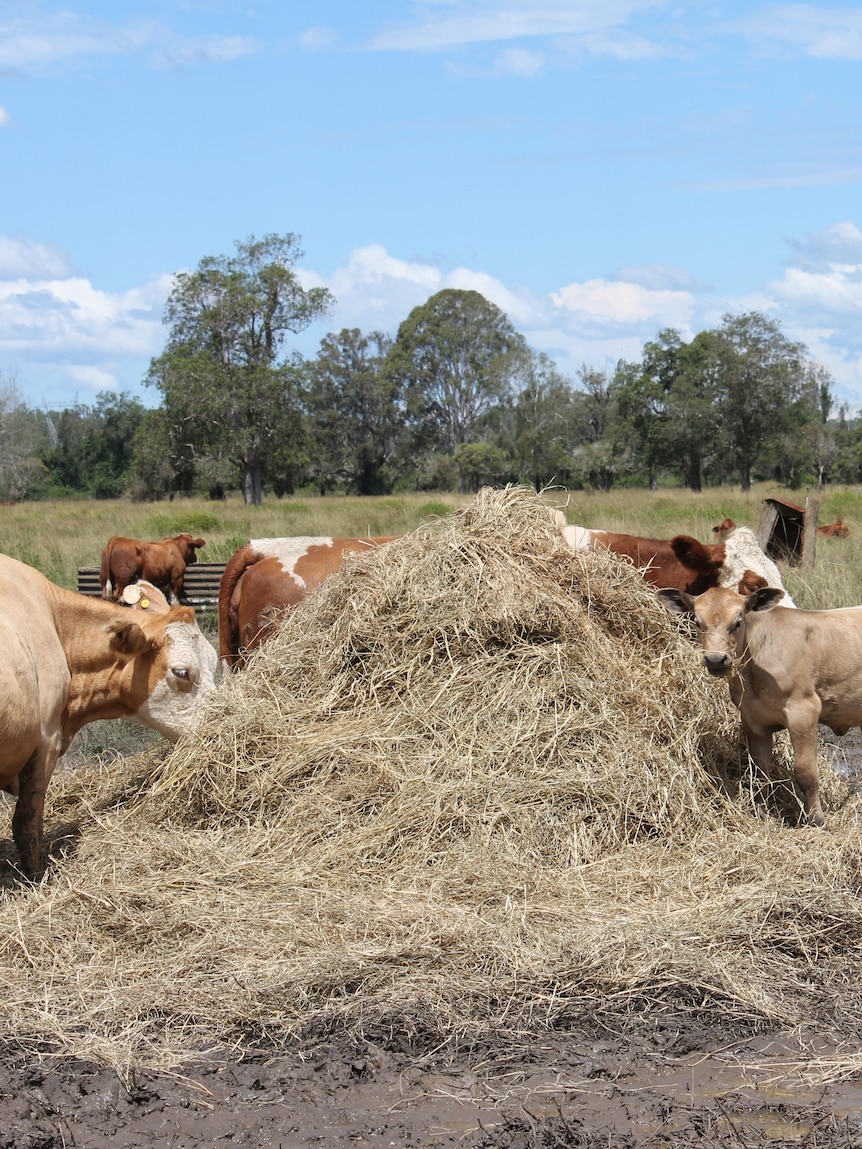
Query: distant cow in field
point(267, 577)
point(164, 563)
point(70, 660)
point(836, 530)
point(787, 669)
point(685, 563)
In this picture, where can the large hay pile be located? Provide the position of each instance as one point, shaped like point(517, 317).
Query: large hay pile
point(476, 781)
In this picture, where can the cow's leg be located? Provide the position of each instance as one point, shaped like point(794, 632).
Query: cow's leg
point(28, 817)
point(759, 743)
point(802, 719)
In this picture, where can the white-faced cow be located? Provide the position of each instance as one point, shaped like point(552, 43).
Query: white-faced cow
point(70, 660)
point(685, 563)
point(125, 561)
point(787, 669)
point(267, 577)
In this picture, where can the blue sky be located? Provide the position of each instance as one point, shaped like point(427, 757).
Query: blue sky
point(600, 169)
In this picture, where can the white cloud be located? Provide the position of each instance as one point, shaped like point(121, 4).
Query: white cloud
point(841, 243)
point(5, 118)
point(477, 22)
point(93, 379)
point(625, 303)
point(23, 258)
point(38, 43)
point(60, 332)
point(825, 33)
point(316, 39)
point(836, 292)
point(519, 62)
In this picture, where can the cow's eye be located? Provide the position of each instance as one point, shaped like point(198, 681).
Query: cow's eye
point(736, 624)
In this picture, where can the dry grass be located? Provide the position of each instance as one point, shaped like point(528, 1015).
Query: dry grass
point(477, 782)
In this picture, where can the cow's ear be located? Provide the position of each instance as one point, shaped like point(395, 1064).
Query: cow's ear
point(676, 600)
point(146, 597)
point(128, 638)
point(199, 543)
point(765, 598)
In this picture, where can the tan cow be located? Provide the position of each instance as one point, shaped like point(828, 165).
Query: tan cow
point(125, 561)
point(267, 577)
point(787, 669)
point(70, 660)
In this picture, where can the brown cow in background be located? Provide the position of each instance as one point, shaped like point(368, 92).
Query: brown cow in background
point(164, 563)
point(723, 529)
point(836, 530)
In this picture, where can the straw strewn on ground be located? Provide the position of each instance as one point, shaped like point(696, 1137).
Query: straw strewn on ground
point(476, 781)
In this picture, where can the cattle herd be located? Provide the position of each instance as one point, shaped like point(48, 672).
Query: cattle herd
point(140, 655)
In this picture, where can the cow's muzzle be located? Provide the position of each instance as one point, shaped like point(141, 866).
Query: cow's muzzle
point(716, 663)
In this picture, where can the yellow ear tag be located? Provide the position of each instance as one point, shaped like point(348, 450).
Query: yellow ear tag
point(144, 603)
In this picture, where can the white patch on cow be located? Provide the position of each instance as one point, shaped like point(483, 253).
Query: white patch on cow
point(173, 706)
point(289, 551)
point(742, 552)
point(578, 538)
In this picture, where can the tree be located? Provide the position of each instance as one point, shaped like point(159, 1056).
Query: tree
point(544, 418)
point(223, 383)
point(764, 383)
point(356, 418)
point(455, 357)
point(19, 464)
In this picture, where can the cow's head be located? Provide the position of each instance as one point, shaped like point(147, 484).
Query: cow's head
point(188, 546)
point(719, 616)
point(723, 529)
point(168, 667)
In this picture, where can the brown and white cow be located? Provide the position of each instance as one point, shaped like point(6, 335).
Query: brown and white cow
point(267, 577)
point(70, 660)
point(685, 563)
point(787, 669)
point(125, 561)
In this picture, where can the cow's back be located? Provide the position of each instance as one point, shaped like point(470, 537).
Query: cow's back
point(269, 576)
point(34, 675)
point(796, 652)
point(122, 564)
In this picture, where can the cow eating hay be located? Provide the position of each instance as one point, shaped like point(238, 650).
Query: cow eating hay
point(470, 786)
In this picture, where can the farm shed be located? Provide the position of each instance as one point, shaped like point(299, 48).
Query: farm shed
point(788, 531)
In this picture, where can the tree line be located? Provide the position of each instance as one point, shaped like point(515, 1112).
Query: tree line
point(456, 400)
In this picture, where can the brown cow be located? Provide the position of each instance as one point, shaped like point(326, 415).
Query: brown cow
point(164, 563)
point(788, 670)
point(685, 563)
point(70, 660)
point(836, 530)
point(267, 577)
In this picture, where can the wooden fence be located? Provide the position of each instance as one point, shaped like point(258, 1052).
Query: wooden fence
point(200, 584)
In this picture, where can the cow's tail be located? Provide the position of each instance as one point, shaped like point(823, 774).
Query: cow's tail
point(105, 571)
point(228, 630)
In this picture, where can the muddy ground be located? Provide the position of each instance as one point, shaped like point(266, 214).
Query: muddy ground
point(667, 1081)
point(584, 1089)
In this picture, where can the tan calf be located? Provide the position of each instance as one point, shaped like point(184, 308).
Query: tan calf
point(788, 670)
